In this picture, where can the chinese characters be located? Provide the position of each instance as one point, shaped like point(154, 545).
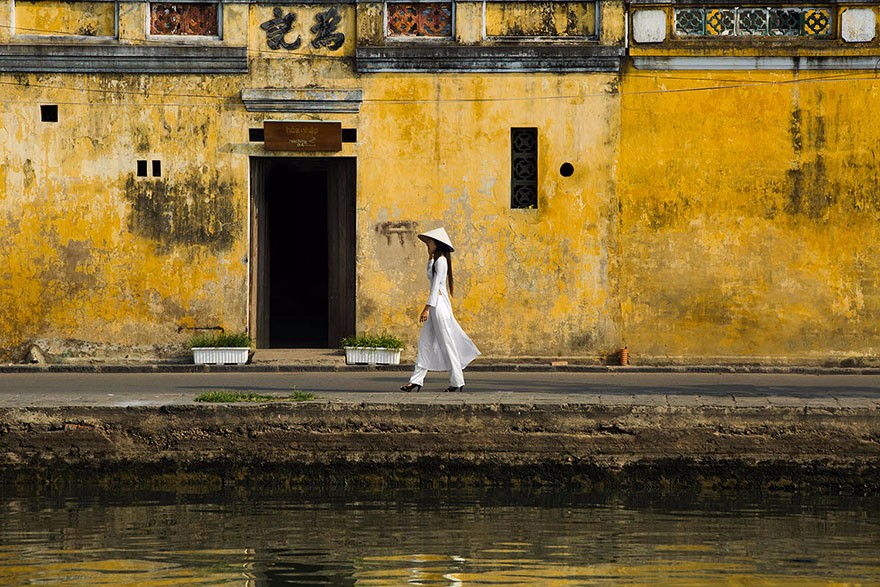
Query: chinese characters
point(324, 30)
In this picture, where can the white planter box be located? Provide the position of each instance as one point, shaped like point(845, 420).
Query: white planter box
point(220, 355)
point(362, 355)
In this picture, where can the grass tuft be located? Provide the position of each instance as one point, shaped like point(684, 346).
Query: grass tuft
point(384, 340)
point(220, 339)
point(232, 397)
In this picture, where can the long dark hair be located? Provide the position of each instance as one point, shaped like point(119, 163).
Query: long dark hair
point(444, 251)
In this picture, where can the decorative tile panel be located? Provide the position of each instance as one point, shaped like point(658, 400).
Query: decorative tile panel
point(649, 26)
point(184, 19)
point(689, 22)
point(720, 22)
point(817, 22)
point(754, 22)
point(419, 19)
point(858, 25)
point(785, 22)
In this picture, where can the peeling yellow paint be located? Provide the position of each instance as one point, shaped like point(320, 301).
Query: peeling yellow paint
point(742, 215)
point(547, 19)
point(525, 279)
point(65, 18)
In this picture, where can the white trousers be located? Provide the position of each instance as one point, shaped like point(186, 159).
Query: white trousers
point(456, 377)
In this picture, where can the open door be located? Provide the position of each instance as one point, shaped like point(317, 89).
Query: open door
point(302, 251)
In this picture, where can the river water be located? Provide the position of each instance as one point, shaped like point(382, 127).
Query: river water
point(449, 538)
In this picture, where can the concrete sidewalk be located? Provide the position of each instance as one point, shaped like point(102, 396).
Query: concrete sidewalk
point(363, 386)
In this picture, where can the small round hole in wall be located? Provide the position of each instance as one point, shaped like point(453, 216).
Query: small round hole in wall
point(567, 170)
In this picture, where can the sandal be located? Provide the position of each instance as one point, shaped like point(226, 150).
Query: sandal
point(411, 387)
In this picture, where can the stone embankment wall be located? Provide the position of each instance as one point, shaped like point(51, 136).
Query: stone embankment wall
point(586, 447)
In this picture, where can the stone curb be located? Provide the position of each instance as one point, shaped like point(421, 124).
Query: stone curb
point(498, 367)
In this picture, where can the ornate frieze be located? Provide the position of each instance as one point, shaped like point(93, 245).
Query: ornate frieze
point(753, 22)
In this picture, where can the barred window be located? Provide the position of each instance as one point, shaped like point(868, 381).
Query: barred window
point(524, 167)
point(198, 19)
point(419, 19)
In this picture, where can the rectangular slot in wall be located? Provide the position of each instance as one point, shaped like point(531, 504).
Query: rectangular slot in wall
point(49, 113)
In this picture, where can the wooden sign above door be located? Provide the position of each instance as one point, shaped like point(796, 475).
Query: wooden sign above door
point(284, 135)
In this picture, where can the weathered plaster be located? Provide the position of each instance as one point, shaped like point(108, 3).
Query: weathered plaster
point(748, 216)
point(858, 25)
point(92, 253)
point(526, 280)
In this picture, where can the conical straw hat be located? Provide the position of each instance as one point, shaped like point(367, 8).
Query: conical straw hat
point(439, 235)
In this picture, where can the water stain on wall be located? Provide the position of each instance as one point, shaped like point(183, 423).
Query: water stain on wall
point(193, 211)
point(141, 140)
point(29, 175)
point(807, 186)
point(71, 268)
point(666, 214)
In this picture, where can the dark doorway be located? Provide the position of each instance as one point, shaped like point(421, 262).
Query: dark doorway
point(297, 206)
point(302, 251)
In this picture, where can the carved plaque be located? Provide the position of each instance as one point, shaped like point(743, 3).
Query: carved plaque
point(282, 135)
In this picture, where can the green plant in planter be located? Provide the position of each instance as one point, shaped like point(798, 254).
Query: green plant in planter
point(220, 339)
point(384, 340)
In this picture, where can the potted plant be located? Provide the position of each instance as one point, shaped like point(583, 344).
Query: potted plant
point(372, 349)
point(221, 348)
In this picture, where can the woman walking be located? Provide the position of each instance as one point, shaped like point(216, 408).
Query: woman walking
point(443, 345)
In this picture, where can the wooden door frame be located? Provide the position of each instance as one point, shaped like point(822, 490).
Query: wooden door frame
point(341, 248)
point(258, 257)
point(341, 240)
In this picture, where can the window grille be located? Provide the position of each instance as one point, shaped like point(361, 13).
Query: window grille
point(201, 19)
point(523, 167)
point(754, 22)
point(419, 19)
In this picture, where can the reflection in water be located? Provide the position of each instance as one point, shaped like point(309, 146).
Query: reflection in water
point(433, 538)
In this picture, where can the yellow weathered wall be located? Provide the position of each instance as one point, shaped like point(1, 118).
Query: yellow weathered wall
point(724, 214)
point(93, 254)
point(96, 260)
point(554, 19)
point(749, 214)
point(437, 152)
point(64, 18)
